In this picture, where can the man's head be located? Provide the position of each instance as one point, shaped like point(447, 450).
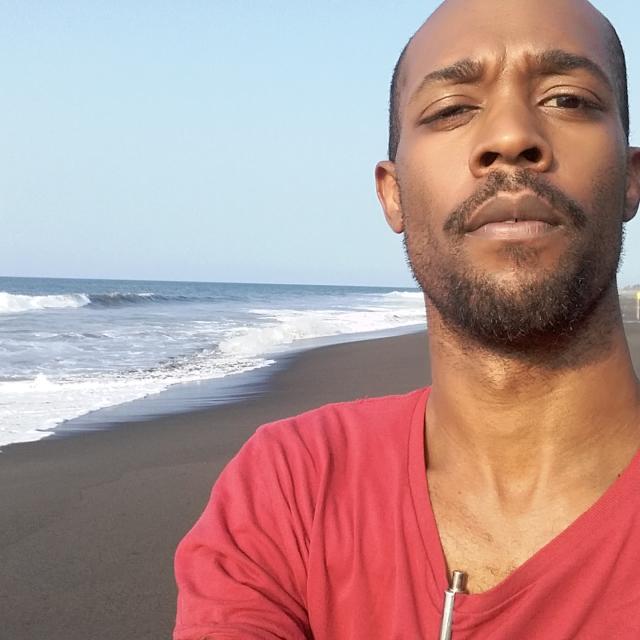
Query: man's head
point(510, 172)
point(617, 65)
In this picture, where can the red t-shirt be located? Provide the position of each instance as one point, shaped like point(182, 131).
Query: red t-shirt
point(321, 527)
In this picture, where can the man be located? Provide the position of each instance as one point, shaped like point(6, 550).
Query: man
point(510, 175)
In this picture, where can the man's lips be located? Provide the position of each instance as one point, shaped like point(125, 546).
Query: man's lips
point(516, 217)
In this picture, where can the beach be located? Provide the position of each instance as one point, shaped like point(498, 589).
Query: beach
point(90, 520)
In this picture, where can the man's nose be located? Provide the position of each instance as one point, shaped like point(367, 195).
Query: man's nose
point(510, 136)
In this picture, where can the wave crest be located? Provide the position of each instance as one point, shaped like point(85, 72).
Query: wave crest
point(19, 303)
point(404, 295)
point(118, 299)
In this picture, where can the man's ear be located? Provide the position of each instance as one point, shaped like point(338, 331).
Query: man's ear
point(633, 183)
point(389, 194)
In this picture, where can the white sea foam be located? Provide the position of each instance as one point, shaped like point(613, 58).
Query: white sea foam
point(18, 303)
point(31, 409)
point(405, 295)
point(289, 326)
point(70, 365)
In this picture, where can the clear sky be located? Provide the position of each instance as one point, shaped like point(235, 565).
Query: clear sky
point(210, 140)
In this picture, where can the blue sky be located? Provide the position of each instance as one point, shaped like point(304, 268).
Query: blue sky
point(216, 141)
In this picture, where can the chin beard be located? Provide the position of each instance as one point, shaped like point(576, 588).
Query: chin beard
point(526, 315)
point(534, 308)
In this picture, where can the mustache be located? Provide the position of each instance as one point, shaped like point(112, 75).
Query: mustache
point(513, 182)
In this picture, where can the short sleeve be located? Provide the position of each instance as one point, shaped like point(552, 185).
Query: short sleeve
point(242, 569)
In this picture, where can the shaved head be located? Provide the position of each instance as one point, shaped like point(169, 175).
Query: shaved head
point(616, 58)
point(494, 102)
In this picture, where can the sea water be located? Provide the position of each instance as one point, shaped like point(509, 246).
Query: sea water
point(70, 347)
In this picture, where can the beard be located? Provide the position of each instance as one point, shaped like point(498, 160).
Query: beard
point(537, 307)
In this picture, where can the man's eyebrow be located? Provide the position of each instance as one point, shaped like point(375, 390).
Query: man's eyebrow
point(558, 61)
point(463, 71)
point(550, 62)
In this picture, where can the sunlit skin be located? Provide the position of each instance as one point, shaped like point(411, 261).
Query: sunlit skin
point(518, 447)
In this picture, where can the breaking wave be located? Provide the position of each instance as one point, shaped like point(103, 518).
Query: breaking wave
point(18, 303)
point(117, 299)
point(405, 295)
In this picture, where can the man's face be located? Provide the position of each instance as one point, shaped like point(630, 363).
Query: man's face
point(511, 174)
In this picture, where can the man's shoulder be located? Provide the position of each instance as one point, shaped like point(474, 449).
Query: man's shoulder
point(362, 419)
point(334, 441)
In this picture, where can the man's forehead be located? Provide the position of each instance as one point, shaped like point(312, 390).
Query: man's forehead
point(478, 29)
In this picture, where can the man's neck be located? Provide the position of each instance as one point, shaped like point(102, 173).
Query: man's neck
point(524, 431)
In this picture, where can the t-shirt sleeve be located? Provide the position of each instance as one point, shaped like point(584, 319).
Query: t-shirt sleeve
point(241, 570)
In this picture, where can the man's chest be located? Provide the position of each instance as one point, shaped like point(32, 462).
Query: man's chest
point(489, 546)
point(376, 570)
point(376, 581)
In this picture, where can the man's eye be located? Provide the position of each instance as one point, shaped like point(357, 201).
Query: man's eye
point(449, 113)
point(570, 101)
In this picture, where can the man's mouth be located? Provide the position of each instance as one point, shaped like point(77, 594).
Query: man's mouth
point(514, 229)
point(507, 217)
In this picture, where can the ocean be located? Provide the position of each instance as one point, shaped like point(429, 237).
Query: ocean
point(72, 347)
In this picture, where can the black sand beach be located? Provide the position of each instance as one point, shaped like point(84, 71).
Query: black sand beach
point(90, 521)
